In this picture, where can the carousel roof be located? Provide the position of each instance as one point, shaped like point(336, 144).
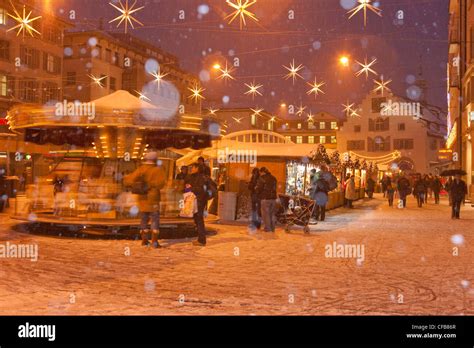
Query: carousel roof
point(123, 101)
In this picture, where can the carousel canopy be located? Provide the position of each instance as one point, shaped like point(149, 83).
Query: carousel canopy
point(123, 101)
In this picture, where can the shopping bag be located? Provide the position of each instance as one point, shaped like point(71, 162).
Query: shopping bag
point(189, 205)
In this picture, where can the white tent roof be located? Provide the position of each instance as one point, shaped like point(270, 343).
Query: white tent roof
point(123, 101)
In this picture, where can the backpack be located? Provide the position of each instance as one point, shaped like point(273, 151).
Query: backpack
point(140, 187)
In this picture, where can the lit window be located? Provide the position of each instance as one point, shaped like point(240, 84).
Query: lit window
point(299, 125)
point(254, 120)
point(3, 16)
point(333, 139)
point(333, 125)
point(299, 139)
point(322, 139)
point(310, 139)
point(3, 85)
point(322, 125)
point(288, 138)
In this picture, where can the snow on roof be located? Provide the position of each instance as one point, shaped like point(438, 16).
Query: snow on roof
point(123, 101)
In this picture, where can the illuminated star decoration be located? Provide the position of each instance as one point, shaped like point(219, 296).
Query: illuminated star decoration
point(354, 113)
point(126, 14)
point(348, 108)
point(382, 86)
point(256, 112)
point(196, 90)
point(98, 80)
point(310, 117)
point(212, 111)
point(253, 90)
point(237, 119)
point(24, 22)
point(241, 11)
point(364, 5)
point(301, 110)
point(158, 77)
point(141, 96)
point(226, 73)
point(366, 68)
point(316, 88)
point(293, 71)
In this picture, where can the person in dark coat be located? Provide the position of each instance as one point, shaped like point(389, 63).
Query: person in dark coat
point(419, 190)
point(371, 187)
point(206, 169)
point(447, 187)
point(458, 195)
point(436, 188)
point(404, 189)
point(267, 192)
point(254, 199)
point(183, 173)
point(198, 183)
point(390, 194)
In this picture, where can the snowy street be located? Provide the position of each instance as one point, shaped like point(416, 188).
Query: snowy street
point(409, 267)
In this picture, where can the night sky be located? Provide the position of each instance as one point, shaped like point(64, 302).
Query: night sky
point(319, 34)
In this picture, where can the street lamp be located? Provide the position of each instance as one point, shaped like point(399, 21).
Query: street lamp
point(344, 61)
point(216, 66)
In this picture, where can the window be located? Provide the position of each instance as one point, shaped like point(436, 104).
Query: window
point(311, 139)
point(322, 139)
point(355, 145)
point(113, 84)
point(253, 120)
point(3, 16)
point(299, 125)
point(401, 127)
point(50, 92)
point(270, 125)
point(377, 104)
point(299, 139)
point(70, 78)
point(379, 124)
point(380, 144)
point(311, 124)
point(322, 125)
point(52, 33)
point(108, 56)
point(403, 144)
point(333, 125)
point(357, 129)
point(51, 64)
point(288, 138)
point(116, 59)
point(30, 57)
point(98, 50)
point(333, 139)
point(4, 50)
point(28, 90)
point(3, 85)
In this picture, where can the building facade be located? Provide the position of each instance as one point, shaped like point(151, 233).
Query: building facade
point(461, 86)
point(315, 129)
point(243, 119)
point(388, 124)
point(122, 62)
point(30, 72)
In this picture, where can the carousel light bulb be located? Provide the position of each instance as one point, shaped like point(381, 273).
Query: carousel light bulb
point(365, 5)
point(126, 14)
point(316, 88)
point(293, 71)
point(24, 22)
point(366, 68)
point(241, 11)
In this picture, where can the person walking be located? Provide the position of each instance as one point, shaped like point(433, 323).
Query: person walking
point(255, 200)
point(384, 185)
point(147, 181)
point(351, 194)
point(447, 187)
point(267, 191)
point(390, 194)
point(436, 188)
point(198, 183)
point(420, 190)
point(404, 189)
point(458, 194)
point(370, 187)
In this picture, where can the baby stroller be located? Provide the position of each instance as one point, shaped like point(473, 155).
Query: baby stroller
point(295, 210)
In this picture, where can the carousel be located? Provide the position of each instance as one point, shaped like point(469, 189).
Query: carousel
point(100, 142)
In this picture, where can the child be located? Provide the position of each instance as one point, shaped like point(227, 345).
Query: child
point(390, 193)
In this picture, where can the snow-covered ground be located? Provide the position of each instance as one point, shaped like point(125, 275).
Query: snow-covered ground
point(415, 261)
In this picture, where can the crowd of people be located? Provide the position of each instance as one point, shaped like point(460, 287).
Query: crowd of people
point(424, 187)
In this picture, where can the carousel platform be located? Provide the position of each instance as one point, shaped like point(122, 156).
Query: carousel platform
point(49, 224)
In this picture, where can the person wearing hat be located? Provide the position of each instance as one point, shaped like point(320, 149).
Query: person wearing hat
point(147, 181)
point(267, 193)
